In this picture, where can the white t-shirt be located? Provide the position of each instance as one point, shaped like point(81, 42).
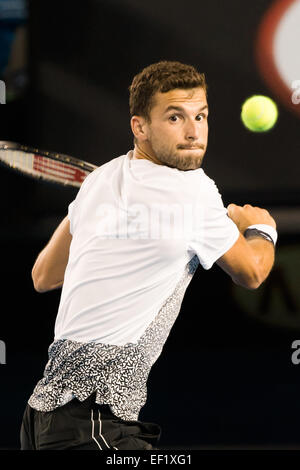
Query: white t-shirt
point(135, 226)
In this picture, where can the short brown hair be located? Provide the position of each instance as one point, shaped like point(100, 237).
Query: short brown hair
point(161, 77)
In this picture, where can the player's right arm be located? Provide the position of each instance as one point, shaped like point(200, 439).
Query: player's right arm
point(249, 261)
point(49, 268)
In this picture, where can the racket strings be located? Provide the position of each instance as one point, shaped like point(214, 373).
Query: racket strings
point(44, 167)
point(58, 168)
point(54, 167)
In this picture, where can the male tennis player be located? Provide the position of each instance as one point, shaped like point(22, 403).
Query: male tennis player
point(124, 256)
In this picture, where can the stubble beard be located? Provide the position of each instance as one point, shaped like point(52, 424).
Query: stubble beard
point(175, 160)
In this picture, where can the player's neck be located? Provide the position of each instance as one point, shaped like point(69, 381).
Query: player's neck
point(141, 152)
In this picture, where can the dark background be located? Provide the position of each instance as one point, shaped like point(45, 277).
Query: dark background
point(225, 377)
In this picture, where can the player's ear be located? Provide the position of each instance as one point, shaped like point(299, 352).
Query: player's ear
point(139, 127)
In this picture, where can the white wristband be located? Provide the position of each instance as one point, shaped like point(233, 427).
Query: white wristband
point(267, 229)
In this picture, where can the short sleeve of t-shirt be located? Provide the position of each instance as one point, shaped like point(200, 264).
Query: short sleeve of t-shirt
point(71, 214)
point(214, 233)
point(74, 205)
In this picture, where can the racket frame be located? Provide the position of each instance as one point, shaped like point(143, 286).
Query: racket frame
point(59, 157)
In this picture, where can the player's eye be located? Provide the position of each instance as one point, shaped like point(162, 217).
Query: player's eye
point(173, 118)
point(200, 117)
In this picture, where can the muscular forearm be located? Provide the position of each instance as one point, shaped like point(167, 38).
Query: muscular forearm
point(251, 258)
point(49, 268)
point(263, 256)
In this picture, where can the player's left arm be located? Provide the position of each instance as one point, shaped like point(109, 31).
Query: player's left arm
point(249, 261)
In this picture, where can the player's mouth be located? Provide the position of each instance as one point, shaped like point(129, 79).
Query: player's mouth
point(191, 147)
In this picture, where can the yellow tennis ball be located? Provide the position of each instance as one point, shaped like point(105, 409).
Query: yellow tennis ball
point(259, 113)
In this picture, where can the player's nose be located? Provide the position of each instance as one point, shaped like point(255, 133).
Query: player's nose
point(192, 130)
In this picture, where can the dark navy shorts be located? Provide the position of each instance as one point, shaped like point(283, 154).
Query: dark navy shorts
point(85, 426)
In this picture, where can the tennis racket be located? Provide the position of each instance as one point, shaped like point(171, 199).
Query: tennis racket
point(40, 164)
